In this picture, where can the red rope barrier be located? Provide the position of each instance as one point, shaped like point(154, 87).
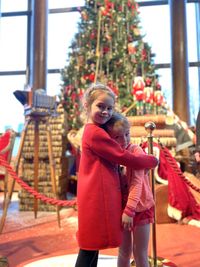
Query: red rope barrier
point(52, 201)
point(175, 167)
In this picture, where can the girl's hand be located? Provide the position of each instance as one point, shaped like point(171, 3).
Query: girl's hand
point(127, 222)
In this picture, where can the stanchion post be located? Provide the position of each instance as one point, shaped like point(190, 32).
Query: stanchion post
point(154, 261)
point(150, 126)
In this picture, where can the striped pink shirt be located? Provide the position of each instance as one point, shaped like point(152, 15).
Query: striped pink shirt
point(140, 197)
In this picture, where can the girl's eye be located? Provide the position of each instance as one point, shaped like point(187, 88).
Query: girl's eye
point(100, 106)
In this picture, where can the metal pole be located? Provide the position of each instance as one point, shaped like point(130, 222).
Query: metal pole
point(150, 126)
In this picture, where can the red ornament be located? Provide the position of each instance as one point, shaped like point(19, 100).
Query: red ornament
point(158, 86)
point(112, 86)
point(106, 49)
point(68, 89)
point(120, 8)
point(129, 3)
point(109, 5)
point(131, 49)
point(148, 81)
point(73, 96)
point(91, 76)
point(93, 34)
point(80, 92)
point(86, 76)
point(144, 54)
point(105, 12)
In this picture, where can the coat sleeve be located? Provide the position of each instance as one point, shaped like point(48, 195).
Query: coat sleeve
point(105, 147)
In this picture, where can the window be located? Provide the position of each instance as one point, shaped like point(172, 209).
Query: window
point(64, 3)
point(157, 34)
point(13, 45)
point(10, 108)
point(62, 25)
point(58, 43)
point(13, 6)
point(13, 54)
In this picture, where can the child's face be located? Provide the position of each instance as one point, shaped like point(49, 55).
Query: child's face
point(101, 109)
point(121, 135)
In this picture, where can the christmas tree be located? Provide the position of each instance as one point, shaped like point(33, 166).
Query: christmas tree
point(109, 48)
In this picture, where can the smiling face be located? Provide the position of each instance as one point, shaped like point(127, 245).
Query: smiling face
point(101, 109)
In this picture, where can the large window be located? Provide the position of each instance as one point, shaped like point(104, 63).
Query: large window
point(62, 25)
point(13, 55)
point(157, 34)
point(58, 43)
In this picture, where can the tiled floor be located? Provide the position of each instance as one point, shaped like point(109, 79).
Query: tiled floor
point(30, 242)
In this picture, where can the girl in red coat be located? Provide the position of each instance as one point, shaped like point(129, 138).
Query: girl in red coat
point(138, 206)
point(98, 190)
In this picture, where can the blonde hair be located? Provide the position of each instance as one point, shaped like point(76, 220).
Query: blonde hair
point(94, 90)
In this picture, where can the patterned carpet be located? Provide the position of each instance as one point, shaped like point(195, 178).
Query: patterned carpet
point(30, 242)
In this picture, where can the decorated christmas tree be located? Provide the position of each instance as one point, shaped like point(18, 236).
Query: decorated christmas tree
point(109, 48)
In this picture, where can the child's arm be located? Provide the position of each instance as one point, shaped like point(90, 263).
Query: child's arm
point(135, 190)
point(103, 145)
point(135, 179)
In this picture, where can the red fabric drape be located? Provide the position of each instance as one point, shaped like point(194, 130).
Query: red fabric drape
point(179, 194)
point(4, 141)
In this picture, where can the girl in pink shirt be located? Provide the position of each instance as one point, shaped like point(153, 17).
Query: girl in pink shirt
point(98, 190)
point(138, 202)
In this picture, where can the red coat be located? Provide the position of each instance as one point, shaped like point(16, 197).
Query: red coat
point(99, 194)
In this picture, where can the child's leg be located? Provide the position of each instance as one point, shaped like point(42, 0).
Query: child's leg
point(140, 245)
point(87, 258)
point(125, 250)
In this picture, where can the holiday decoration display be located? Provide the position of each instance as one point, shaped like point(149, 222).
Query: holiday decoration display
point(138, 94)
point(109, 48)
point(59, 144)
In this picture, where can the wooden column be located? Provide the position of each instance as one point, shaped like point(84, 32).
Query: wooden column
point(179, 59)
point(40, 44)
